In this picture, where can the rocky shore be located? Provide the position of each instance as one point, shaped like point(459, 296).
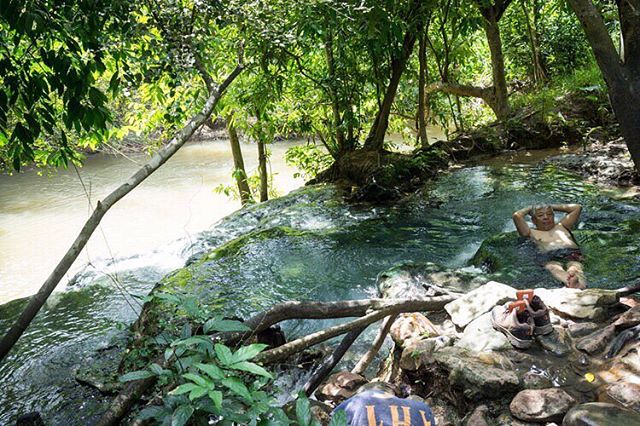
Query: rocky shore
point(587, 371)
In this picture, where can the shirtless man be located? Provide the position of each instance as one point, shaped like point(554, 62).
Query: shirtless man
point(555, 241)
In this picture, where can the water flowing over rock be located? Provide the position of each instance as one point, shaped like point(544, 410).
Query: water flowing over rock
point(541, 405)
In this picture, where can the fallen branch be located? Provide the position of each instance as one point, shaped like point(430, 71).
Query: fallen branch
point(365, 361)
point(263, 320)
point(324, 310)
point(331, 361)
point(391, 308)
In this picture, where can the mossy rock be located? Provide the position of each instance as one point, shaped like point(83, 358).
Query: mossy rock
point(424, 280)
point(610, 258)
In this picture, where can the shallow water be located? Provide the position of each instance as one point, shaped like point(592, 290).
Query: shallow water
point(40, 215)
point(323, 250)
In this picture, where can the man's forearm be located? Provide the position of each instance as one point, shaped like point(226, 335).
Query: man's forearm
point(522, 212)
point(566, 208)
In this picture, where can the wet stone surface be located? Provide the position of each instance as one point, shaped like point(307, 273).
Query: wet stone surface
point(541, 405)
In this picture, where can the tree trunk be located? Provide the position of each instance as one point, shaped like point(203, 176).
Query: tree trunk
point(538, 73)
point(335, 103)
point(623, 79)
point(500, 100)
point(422, 96)
point(102, 207)
point(375, 140)
point(262, 170)
point(239, 172)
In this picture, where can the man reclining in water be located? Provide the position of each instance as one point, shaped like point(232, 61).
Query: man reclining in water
point(555, 241)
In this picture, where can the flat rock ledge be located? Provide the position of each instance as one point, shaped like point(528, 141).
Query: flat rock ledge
point(476, 376)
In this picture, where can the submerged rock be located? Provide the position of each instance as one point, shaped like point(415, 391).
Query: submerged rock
point(541, 405)
point(600, 414)
point(479, 301)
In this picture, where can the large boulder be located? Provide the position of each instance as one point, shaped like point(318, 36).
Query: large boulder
point(541, 405)
point(479, 301)
point(600, 414)
point(473, 377)
point(590, 304)
point(480, 336)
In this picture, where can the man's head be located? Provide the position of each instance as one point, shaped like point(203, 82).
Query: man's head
point(543, 217)
point(384, 387)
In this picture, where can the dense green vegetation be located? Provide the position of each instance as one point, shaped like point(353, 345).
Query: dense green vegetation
point(78, 76)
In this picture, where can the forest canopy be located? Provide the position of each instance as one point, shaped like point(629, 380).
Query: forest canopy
point(78, 76)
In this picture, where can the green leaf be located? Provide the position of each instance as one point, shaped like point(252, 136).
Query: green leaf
point(224, 325)
point(201, 381)
point(216, 397)
point(152, 412)
point(248, 352)
point(181, 415)
point(212, 370)
point(303, 410)
point(224, 354)
point(197, 393)
point(251, 368)
point(339, 418)
point(236, 386)
point(184, 388)
point(136, 375)
point(156, 369)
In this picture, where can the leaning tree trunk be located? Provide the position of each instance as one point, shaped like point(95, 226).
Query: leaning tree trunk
point(375, 140)
point(239, 171)
point(422, 96)
point(500, 102)
point(622, 77)
point(102, 207)
point(262, 170)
